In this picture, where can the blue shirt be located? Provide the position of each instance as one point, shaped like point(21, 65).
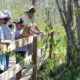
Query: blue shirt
point(6, 33)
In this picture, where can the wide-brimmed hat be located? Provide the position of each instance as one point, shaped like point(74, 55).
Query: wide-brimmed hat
point(2, 15)
point(31, 8)
point(7, 13)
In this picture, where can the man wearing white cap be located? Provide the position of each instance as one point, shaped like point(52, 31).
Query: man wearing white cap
point(8, 14)
point(5, 34)
point(7, 30)
point(2, 56)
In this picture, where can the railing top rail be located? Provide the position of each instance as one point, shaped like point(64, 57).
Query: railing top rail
point(18, 43)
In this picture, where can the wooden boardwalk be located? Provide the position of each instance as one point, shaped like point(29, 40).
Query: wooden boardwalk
point(30, 64)
point(27, 72)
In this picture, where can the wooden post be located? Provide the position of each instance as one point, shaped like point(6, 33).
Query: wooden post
point(51, 45)
point(34, 58)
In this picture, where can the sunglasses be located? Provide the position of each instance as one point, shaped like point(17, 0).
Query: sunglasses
point(32, 11)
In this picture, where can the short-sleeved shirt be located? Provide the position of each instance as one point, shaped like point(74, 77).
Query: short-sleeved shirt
point(6, 33)
point(1, 33)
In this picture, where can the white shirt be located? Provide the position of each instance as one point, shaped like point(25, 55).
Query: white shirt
point(27, 20)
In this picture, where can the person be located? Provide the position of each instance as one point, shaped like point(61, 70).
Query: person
point(19, 29)
point(28, 18)
point(8, 13)
point(20, 52)
point(6, 28)
point(3, 62)
point(8, 33)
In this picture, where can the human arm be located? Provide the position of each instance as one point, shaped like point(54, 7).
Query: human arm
point(6, 42)
point(19, 37)
point(35, 31)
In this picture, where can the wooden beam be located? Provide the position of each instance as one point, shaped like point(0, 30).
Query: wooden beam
point(34, 58)
point(3, 48)
point(20, 42)
point(51, 46)
point(15, 44)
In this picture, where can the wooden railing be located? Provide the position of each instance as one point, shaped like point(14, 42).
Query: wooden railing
point(33, 61)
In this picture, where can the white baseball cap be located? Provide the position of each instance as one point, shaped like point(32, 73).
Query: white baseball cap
point(7, 13)
point(2, 15)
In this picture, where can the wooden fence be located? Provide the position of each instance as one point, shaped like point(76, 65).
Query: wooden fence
point(38, 56)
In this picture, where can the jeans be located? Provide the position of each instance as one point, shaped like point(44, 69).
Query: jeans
point(4, 62)
point(30, 49)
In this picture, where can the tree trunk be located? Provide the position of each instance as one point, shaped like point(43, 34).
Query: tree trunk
point(69, 33)
point(67, 23)
point(77, 23)
point(77, 15)
point(33, 2)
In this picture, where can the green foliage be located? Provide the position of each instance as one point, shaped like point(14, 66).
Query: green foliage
point(76, 10)
point(59, 53)
point(68, 73)
point(43, 75)
point(43, 41)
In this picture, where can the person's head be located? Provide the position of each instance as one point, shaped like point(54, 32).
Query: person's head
point(30, 11)
point(19, 24)
point(8, 15)
point(2, 16)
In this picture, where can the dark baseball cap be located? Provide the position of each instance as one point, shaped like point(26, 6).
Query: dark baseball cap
point(20, 21)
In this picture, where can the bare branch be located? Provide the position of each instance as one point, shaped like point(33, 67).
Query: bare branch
point(69, 11)
point(61, 15)
point(64, 7)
